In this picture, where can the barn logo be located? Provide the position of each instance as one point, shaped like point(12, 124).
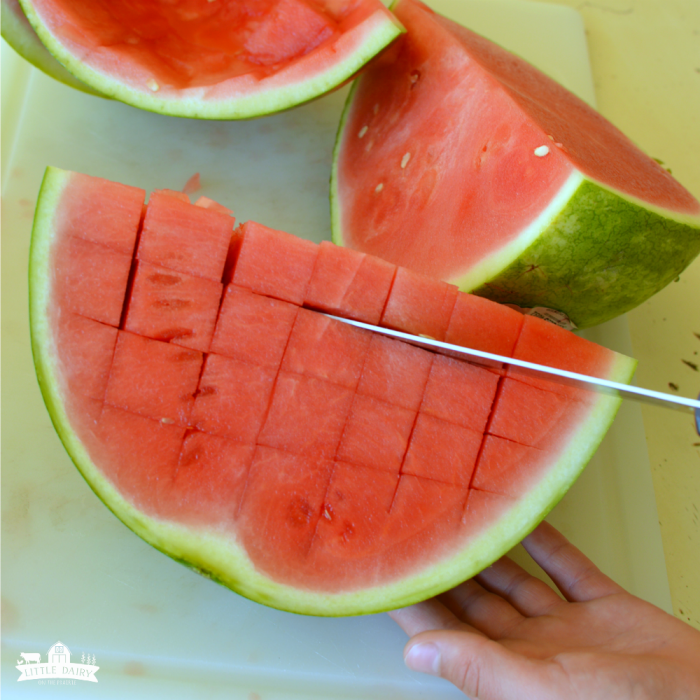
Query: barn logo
point(58, 669)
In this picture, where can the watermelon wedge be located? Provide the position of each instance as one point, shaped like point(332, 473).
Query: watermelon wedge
point(304, 463)
point(461, 161)
point(208, 60)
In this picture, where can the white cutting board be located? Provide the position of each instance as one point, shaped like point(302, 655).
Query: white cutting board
point(72, 572)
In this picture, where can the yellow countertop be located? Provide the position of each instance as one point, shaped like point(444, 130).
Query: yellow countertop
point(645, 57)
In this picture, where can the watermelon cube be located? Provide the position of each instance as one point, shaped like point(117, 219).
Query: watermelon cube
point(142, 468)
point(102, 212)
point(154, 379)
point(425, 516)
point(349, 284)
point(327, 349)
point(280, 510)
point(376, 434)
point(210, 479)
point(173, 306)
point(527, 414)
point(459, 392)
point(442, 451)
point(395, 372)
point(306, 415)
point(92, 280)
point(547, 344)
point(419, 305)
point(86, 358)
point(484, 325)
point(232, 398)
point(184, 237)
point(253, 328)
point(353, 516)
point(500, 468)
point(271, 263)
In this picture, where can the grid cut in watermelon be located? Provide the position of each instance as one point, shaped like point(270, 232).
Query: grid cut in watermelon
point(155, 379)
point(395, 372)
point(349, 284)
point(419, 305)
point(306, 415)
point(327, 349)
point(92, 280)
point(459, 393)
point(253, 328)
point(272, 263)
point(376, 434)
point(173, 306)
point(442, 451)
point(88, 347)
point(210, 479)
point(232, 398)
point(167, 237)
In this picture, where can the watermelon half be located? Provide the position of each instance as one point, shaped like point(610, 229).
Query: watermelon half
point(463, 162)
point(304, 463)
point(225, 59)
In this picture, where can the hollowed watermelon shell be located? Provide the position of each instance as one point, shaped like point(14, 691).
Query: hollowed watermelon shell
point(209, 60)
point(306, 464)
point(461, 161)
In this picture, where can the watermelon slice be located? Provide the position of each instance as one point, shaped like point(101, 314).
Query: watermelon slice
point(305, 463)
point(463, 162)
point(209, 60)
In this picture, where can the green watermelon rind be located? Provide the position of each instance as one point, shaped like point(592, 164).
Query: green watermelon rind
point(223, 560)
point(24, 40)
point(376, 33)
point(599, 244)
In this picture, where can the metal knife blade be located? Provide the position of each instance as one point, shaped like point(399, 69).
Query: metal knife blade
point(605, 385)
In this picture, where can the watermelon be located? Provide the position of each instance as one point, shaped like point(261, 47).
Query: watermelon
point(461, 161)
point(202, 59)
point(303, 462)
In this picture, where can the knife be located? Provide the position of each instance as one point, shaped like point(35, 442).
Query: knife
point(605, 385)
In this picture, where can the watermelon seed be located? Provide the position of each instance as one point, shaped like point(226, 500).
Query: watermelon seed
point(167, 421)
point(379, 187)
point(415, 75)
point(541, 151)
point(405, 159)
point(152, 85)
point(376, 108)
point(363, 131)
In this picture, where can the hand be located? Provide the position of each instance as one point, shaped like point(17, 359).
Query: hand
point(505, 634)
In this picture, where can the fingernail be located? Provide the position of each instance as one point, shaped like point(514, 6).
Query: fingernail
point(424, 658)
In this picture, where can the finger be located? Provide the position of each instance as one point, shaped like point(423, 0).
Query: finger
point(527, 594)
point(481, 668)
point(428, 615)
point(485, 611)
point(576, 576)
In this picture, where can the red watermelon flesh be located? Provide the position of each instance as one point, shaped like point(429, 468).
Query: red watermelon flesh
point(310, 465)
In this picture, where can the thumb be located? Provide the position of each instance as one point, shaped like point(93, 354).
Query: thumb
point(481, 668)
